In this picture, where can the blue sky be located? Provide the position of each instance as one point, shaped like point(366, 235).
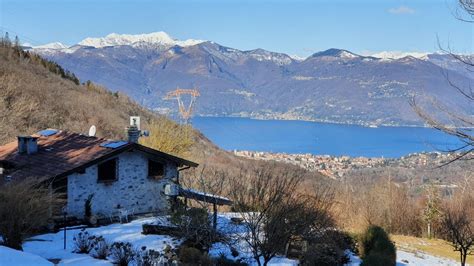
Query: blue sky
point(295, 27)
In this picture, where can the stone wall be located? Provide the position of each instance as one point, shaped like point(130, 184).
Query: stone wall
point(132, 191)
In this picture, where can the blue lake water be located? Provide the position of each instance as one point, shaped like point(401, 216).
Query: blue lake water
point(320, 138)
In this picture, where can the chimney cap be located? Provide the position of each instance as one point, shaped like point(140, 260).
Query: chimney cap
point(27, 137)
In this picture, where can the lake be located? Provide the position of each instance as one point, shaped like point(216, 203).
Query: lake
point(287, 136)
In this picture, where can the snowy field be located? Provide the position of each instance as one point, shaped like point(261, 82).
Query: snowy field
point(408, 258)
point(50, 246)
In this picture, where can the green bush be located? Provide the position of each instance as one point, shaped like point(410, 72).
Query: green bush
point(376, 241)
point(328, 249)
point(376, 259)
point(193, 256)
point(323, 254)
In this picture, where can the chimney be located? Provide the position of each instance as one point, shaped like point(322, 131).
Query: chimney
point(133, 133)
point(27, 144)
point(22, 144)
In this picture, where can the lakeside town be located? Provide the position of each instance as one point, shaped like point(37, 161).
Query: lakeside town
point(337, 166)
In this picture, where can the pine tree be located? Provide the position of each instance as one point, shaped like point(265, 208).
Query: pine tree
point(6, 39)
point(17, 42)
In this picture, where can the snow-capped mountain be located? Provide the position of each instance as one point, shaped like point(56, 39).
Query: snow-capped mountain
point(114, 39)
point(338, 53)
point(399, 54)
point(53, 45)
point(333, 85)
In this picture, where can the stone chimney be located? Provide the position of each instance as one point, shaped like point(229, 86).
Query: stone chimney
point(27, 145)
point(133, 133)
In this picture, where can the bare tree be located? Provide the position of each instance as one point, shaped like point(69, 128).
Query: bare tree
point(458, 227)
point(431, 211)
point(460, 125)
point(207, 179)
point(268, 199)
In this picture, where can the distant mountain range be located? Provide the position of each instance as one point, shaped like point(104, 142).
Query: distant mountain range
point(334, 85)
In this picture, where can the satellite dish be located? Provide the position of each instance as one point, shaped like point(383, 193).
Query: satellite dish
point(92, 131)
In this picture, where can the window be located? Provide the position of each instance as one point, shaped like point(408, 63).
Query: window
point(5, 168)
point(155, 169)
point(107, 171)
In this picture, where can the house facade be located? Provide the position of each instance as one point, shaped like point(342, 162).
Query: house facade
point(124, 182)
point(114, 176)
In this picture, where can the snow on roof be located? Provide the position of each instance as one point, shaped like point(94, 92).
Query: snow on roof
point(206, 197)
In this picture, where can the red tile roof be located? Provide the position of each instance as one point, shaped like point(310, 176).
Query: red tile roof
point(64, 153)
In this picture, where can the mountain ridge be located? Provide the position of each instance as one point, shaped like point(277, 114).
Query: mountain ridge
point(263, 84)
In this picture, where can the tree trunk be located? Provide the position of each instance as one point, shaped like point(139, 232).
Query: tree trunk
point(429, 230)
point(214, 220)
point(463, 258)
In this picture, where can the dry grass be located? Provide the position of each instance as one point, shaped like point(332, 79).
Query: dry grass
point(34, 98)
point(435, 247)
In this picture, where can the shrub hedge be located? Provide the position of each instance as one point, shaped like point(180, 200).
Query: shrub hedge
point(376, 248)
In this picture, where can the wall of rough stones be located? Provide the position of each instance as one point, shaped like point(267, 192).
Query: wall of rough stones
point(133, 190)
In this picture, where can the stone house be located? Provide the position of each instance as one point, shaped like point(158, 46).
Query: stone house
point(117, 175)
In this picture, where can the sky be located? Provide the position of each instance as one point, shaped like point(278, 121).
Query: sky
point(295, 27)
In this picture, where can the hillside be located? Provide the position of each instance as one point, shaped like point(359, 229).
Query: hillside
point(34, 96)
point(334, 85)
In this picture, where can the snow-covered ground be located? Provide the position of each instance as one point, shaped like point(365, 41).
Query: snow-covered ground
point(10, 256)
point(50, 246)
point(422, 259)
point(405, 258)
point(225, 226)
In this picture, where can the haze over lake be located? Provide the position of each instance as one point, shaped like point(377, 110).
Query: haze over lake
point(320, 138)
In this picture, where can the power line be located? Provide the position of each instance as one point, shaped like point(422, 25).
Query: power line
point(21, 36)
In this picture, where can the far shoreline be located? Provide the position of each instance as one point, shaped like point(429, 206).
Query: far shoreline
point(366, 125)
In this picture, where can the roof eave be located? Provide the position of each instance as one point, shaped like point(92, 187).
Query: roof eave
point(178, 160)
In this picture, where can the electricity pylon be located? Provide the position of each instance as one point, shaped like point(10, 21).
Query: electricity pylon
point(184, 111)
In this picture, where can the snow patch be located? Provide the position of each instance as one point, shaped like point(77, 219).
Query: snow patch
point(345, 54)
point(10, 256)
point(297, 57)
point(387, 55)
point(53, 45)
